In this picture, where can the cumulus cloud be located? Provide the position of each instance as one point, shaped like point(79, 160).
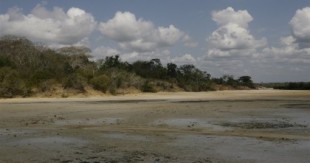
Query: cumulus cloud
point(300, 25)
point(230, 16)
point(140, 35)
point(101, 52)
point(288, 52)
point(188, 42)
point(294, 48)
point(185, 59)
point(55, 26)
point(163, 55)
point(232, 38)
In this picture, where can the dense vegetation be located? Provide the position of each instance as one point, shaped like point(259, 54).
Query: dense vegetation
point(289, 85)
point(27, 69)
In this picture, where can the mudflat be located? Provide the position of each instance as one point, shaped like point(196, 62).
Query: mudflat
point(221, 126)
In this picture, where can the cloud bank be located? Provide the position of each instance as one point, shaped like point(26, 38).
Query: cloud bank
point(42, 25)
point(139, 35)
point(295, 48)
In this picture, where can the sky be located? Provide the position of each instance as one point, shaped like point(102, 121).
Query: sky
point(268, 40)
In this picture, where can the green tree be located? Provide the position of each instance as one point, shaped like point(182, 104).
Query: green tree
point(246, 81)
point(172, 70)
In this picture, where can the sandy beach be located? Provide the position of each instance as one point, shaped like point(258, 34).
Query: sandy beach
point(221, 126)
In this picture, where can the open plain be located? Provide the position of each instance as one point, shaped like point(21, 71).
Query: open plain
point(221, 126)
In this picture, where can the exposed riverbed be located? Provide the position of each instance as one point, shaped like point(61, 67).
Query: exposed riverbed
point(226, 126)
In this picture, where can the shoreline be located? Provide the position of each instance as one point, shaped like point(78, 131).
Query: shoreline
point(212, 95)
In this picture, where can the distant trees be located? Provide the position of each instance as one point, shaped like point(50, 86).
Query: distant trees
point(291, 85)
point(150, 69)
point(112, 62)
point(192, 79)
point(229, 80)
point(246, 81)
point(26, 69)
point(172, 70)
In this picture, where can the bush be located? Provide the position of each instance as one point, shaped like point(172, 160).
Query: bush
point(47, 85)
point(148, 87)
point(40, 76)
point(74, 82)
point(11, 85)
point(100, 83)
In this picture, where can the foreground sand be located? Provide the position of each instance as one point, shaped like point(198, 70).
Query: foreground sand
point(223, 126)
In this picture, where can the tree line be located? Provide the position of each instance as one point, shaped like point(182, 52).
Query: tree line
point(288, 85)
point(27, 68)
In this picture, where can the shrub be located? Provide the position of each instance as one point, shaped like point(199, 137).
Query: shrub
point(74, 82)
point(148, 87)
point(11, 85)
point(47, 85)
point(100, 83)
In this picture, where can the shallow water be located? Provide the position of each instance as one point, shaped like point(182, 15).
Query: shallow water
point(245, 149)
point(128, 137)
point(190, 123)
point(48, 142)
point(88, 121)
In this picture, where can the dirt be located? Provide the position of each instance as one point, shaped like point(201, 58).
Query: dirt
point(222, 126)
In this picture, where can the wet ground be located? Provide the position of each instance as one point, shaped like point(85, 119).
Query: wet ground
point(263, 128)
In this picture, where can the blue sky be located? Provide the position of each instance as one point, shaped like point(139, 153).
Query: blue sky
point(266, 39)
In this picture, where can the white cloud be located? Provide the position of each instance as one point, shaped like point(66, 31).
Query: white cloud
point(233, 37)
point(185, 59)
point(102, 52)
point(188, 42)
point(300, 24)
point(55, 26)
point(294, 48)
point(163, 55)
point(140, 35)
point(230, 16)
point(287, 41)
point(169, 35)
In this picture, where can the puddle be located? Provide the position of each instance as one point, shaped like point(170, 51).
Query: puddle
point(263, 125)
point(193, 101)
point(119, 101)
point(48, 142)
point(130, 137)
point(296, 116)
point(297, 106)
point(189, 123)
point(100, 121)
point(242, 149)
point(15, 131)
